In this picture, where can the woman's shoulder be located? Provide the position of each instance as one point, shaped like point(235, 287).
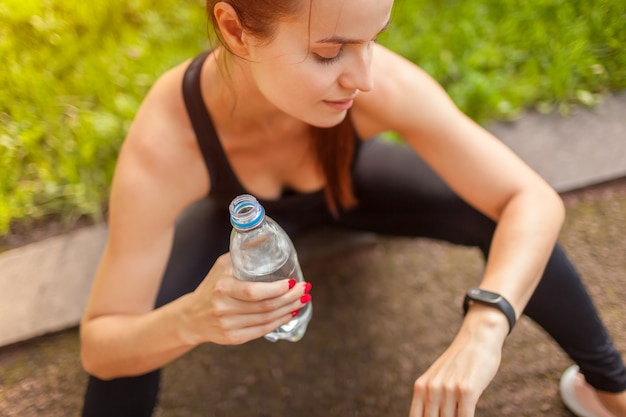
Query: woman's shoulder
point(163, 106)
point(161, 146)
point(401, 91)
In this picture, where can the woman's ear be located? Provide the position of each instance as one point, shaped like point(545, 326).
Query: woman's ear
point(231, 29)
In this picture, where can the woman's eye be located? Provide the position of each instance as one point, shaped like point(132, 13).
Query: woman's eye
point(323, 59)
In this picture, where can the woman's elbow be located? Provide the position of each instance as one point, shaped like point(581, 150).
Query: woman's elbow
point(91, 366)
point(554, 202)
point(91, 358)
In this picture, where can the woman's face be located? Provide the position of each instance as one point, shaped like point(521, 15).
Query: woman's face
point(316, 65)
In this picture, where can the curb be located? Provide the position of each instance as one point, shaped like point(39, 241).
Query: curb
point(586, 148)
point(44, 285)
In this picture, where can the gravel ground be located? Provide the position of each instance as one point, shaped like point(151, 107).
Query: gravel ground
point(368, 340)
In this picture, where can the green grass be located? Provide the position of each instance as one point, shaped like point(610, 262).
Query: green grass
point(498, 57)
point(73, 74)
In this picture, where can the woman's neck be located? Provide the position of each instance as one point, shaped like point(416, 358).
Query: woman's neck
point(237, 104)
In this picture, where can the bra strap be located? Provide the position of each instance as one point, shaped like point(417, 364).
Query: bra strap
point(212, 152)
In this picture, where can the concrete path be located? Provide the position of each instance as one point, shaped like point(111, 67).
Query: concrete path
point(585, 148)
point(44, 286)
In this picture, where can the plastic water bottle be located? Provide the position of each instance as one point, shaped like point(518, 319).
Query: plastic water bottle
point(261, 251)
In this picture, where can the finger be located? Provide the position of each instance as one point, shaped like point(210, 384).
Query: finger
point(467, 403)
point(449, 403)
point(256, 318)
point(246, 334)
point(257, 291)
point(433, 403)
point(292, 300)
point(417, 405)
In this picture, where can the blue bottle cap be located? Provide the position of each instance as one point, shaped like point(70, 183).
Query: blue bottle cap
point(246, 212)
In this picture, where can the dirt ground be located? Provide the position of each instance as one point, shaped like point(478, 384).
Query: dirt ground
point(382, 313)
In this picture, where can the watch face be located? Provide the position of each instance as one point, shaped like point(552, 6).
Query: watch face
point(485, 295)
point(492, 299)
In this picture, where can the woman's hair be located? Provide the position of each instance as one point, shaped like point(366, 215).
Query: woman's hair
point(334, 147)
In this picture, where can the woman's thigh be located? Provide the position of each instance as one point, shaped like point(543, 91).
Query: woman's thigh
point(202, 235)
point(400, 195)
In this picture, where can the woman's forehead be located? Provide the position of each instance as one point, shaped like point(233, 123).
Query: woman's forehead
point(358, 20)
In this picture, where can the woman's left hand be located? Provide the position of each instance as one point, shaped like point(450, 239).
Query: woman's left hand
point(452, 386)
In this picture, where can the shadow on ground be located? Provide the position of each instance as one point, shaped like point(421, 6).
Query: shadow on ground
point(382, 313)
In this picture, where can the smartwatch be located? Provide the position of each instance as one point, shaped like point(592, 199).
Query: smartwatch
point(490, 299)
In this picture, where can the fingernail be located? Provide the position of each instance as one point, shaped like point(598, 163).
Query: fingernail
point(305, 298)
point(307, 287)
point(292, 283)
point(295, 313)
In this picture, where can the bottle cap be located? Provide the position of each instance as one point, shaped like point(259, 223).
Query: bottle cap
point(246, 212)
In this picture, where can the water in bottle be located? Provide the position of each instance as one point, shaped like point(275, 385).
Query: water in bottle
point(261, 251)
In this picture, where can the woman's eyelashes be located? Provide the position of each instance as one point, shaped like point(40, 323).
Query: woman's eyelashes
point(327, 60)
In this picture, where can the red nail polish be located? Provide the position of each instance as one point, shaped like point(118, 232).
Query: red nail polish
point(305, 298)
point(292, 283)
point(295, 313)
point(307, 287)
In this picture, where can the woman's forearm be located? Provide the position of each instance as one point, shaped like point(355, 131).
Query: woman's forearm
point(127, 345)
point(522, 244)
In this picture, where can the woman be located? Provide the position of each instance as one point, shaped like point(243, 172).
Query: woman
point(282, 110)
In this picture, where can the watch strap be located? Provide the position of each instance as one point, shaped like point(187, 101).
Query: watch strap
point(492, 299)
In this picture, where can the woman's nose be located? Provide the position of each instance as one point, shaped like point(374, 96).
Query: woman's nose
point(357, 74)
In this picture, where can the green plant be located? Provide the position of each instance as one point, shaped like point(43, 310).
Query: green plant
point(73, 74)
point(496, 58)
point(73, 77)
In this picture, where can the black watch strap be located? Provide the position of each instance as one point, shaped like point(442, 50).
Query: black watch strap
point(490, 299)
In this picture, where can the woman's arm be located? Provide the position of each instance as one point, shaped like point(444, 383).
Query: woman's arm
point(120, 334)
point(495, 181)
point(476, 165)
point(160, 172)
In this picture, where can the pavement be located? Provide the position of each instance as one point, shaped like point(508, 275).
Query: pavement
point(365, 346)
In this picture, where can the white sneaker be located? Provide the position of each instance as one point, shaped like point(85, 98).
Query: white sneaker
point(580, 397)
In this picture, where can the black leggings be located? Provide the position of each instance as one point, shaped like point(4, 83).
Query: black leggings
point(399, 195)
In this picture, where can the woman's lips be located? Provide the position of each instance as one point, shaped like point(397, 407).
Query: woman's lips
point(340, 104)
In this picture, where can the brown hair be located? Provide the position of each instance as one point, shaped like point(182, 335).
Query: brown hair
point(334, 146)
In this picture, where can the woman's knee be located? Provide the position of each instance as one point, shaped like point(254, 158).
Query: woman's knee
point(201, 236)
point(132, 396)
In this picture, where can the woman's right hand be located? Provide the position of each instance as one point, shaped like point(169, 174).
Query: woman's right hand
point(228, 311)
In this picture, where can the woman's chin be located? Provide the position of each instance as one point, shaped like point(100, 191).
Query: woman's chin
point(329, 121)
